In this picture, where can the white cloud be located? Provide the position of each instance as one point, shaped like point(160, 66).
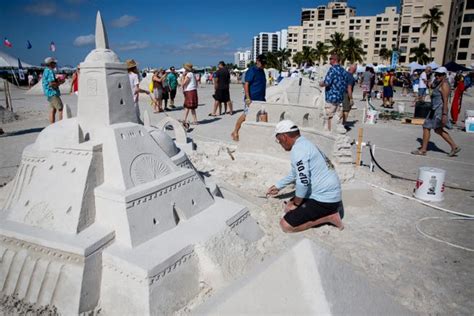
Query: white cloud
point(132, 45)
point(124, 20)
point(84, 40)
point(42, 8)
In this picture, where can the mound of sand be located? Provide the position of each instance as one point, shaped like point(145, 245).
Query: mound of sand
point(37, 89)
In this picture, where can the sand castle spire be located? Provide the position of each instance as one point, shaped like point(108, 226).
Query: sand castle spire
point(101, 39)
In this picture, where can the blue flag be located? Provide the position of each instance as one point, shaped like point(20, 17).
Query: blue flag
point(28, 45)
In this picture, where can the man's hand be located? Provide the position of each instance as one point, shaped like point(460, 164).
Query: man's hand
point(272, 191)
point(322, 84)
point(248, 101)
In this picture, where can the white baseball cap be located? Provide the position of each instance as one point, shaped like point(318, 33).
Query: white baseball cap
point(50, 60)
point(285, 126)
point(441, 70)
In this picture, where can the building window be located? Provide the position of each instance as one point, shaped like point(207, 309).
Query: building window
point(377, 32)
point(385, 19)
point(466, 30)
point(403, 49)
point(394, 39)
point(376, 51)
point(366, 46)
point(378, 26)
point(402, 59)
point(383, 46)
point(351, 27)
point(469, 5)
point(357, 21)
point(367, 27)
point(468, 18)
point(464, 43)
point(384, 32)
point(311, 25)
point(367, 21)
point(415, 30)
point(328, 22)
point(395, 19)
point(415, 40)
point(305, 42)
point(462, 56)
point(377, 45)
point(379, 19)
point(406, 29)
point(351, 21)
point(377, 39)
point(395, 32)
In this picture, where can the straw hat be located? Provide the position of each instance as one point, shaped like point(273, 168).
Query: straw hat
point(188, 66)
point(131, 63)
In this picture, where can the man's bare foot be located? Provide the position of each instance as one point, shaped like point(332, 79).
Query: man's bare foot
point(333, 219)
point(235, 136)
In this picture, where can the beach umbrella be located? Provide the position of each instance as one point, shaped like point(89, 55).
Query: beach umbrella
point(452, 66)
point(7, 61)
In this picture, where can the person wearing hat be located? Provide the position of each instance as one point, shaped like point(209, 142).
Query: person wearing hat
point(437, 118)
point(134, 85)
point(51, 90)
point(254, 87)
point(317, 197)
point(189, 84)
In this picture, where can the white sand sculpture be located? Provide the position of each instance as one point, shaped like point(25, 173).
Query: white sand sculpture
point(310, 118)
point(288, 91)
point(37, 89)
point(323, 284)
point(105, 210)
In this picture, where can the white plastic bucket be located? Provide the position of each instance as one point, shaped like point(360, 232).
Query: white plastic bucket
point(430, 184)
point(371, 117)
point(401, 107)
point(469, 123)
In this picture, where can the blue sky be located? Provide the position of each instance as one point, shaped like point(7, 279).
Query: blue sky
point(155, 33)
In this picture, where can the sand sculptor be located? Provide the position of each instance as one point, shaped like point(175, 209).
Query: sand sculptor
point(317, 198)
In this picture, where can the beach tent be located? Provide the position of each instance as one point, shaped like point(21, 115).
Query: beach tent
point(452, 66)
point(360, 69)
point(433, 65)
point(415, 66)
point(7, 61)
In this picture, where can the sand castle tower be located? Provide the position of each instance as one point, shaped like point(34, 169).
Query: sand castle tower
point(104, 212)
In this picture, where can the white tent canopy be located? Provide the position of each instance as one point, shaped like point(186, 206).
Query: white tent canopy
point(11, 62)
point(414, 66)
point(433, 65)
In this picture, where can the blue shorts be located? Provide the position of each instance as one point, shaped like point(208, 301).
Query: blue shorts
point(421, 92)
point(387, 92)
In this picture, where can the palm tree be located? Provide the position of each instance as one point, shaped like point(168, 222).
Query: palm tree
point(353, 50)
point(272, 60)
point(283, 56)
point(337, 43)
point(298, 58)
point(433, 22)
point(420, 54)
point(385, 53)
point(321, 52)
point(308, 55)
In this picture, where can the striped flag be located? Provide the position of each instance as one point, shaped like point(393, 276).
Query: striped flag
point(28, 45)
point(7, 43)
point(52, 47)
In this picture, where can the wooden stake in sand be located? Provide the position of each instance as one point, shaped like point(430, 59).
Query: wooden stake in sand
point(359, 146)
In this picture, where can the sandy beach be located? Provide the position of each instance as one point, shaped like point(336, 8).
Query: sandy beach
point(383, 237)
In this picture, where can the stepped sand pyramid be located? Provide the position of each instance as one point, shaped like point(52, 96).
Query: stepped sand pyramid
point(106, 213)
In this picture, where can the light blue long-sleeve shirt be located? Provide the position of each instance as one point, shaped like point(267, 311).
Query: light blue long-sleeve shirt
point(313, 173)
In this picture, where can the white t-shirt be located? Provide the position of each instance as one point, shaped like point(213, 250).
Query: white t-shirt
point(133, 77)
point(423, 78)
point(192, 85)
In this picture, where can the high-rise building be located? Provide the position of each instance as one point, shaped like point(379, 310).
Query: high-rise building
point(411, 34)
point(460, 42)
point(241, 59)
point(318, 24)
point(266, 42)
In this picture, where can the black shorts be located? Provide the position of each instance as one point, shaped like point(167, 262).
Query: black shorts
point(222, 95)
point(172, 94)
point(311, 210)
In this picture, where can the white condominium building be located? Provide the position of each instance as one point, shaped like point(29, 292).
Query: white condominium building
point(241, 59)
point(460, 43)
point(266, 42)
point(411, 35)
point(318, 24)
